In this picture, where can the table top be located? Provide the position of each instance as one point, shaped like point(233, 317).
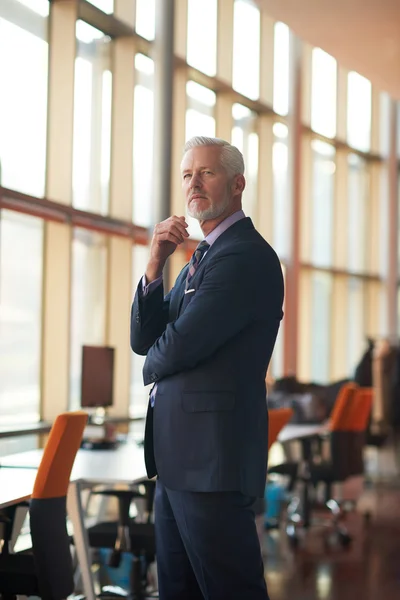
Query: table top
point(124, 464)
point(297, 432)
point(15, 485)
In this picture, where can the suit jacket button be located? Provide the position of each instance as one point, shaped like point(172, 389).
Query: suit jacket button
point(137, 318)
point(153, 376)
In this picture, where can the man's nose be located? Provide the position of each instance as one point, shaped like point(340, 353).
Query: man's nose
point(196, 181)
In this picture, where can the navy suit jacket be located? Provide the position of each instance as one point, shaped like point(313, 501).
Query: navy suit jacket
point(208, 351)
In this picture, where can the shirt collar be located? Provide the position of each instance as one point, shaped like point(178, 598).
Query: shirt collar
point(224, 225)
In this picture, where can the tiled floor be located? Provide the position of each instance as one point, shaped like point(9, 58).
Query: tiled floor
point(368, 570)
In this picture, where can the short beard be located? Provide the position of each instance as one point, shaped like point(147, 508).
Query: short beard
point(210, 213)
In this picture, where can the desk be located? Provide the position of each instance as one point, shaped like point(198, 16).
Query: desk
point(291, 433)
point(15, 485)
point(125, 464)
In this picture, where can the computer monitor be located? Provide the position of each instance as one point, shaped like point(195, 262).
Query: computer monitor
point(97, 377)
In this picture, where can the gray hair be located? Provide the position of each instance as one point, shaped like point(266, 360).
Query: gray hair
point(231, 157)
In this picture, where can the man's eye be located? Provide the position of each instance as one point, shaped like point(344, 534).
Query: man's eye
point(186, 175)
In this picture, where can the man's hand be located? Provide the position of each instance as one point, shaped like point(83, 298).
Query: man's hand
point(166, 237)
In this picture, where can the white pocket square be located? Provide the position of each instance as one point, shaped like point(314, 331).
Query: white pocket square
point(189, 291)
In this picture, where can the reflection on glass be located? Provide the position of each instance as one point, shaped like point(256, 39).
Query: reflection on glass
point(281, 224)
point(246, 49)
point(145, 18)
point(245, 138)
point(321, 326)
point(92, 120)
point(359, 99)
point(21, 257)
point(323, 93)
point(358, 208)
point(23, 109)
point(88, 301)
point(139, 394)
point(201, 47)
point(323, 179)
point(143, 142)
point(281, 69)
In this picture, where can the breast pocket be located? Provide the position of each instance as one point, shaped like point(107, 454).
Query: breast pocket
point(187, 298)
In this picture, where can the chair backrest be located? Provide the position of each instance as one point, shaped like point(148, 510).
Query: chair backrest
point(361, 409)
point(340, 416)
point(50, 541)
point(341, 437)
point(278, 418)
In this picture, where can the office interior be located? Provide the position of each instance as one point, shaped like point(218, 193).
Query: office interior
point(97, 100)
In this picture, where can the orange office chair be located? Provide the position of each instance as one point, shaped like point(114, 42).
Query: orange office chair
point(47, 571)
point(337, 468)
point(278, 418)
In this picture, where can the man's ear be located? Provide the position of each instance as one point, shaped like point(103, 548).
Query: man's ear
point(238, 184)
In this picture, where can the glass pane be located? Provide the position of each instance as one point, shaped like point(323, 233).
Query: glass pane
point(40, 7)
point(323, 93)
point(355, 323)
point(323, 157)
point(21, 256)
point(281, 69)
point(320, 326)
point(358, 208)
point(92, 120)
point(246, 49)
point(143, 142)
point(199, 121)
point(146, 18)
point(202, 50)
point(106, 6)
point(245, 138)
point(88, 301)
point(23, 106)
point(277, 359)
point(281, 236)
point(359, 111)
point(139, 394)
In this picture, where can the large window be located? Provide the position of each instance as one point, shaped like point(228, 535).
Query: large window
point(201, 49)
point(21, 256)
point(323, 179)
point(245, 137)
point(246, 49)
point(143, 141)
point(281, 69)
point(323, 96)
point(359, 100)
point(139, 394)
point(358, 208)
point(199, 121)
point(23, 98)
point(321, 284)
point(106, 6)
point(88, 301)
point(92, 120)
point(281, 224)
point(146, 18)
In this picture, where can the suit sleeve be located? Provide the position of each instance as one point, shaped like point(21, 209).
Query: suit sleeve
point(149, 317)
point(229, 298)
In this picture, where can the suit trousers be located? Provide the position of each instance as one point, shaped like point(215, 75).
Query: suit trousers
point(207, 546)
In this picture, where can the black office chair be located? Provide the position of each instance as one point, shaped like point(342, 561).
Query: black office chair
point(47, 570)
point(128, 536)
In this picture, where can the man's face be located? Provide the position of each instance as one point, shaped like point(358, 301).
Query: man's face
point(206, 185)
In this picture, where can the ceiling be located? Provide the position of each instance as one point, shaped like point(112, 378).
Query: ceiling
point(363, 35)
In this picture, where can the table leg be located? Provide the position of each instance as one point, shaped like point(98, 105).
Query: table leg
point(77, 518)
